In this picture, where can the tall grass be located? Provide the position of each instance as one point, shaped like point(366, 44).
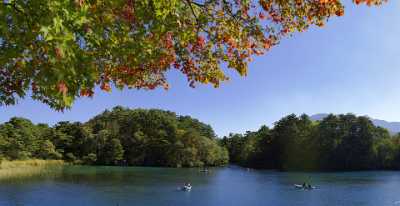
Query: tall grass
point(24, 168)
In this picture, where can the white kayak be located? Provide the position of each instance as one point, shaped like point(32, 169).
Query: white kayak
point(304, 188)
point(185, 188)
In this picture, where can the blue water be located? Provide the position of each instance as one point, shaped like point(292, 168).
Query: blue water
point(230, 186)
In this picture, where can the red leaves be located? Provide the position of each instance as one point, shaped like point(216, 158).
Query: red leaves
point(284, 31)
point(62, 88)
point(176, 65)
point(201, 42)
point(34, 87)
point(299, 2)
point(128, 11)
point(105, 86)
point(369, 2)
point(198, 45)
point(266, 5)
point(169, 43)
point(128, 44)
point(325, 1)
point(86, 92)
point(267, 43)
point(261, 15)
point(275, 17)
point(340, 12)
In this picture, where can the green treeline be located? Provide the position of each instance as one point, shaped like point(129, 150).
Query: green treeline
point(338, 142)
point(118, 137)
point(161, 138)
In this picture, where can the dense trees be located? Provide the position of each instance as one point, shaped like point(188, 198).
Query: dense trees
point(338, 142)
point(161, 138)
point(59, 50)
point(118, 137)
point(20, 139)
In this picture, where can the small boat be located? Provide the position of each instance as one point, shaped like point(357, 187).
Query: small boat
point(186, 188)
point(304, 187)
point(204, 170)
point(298, 186)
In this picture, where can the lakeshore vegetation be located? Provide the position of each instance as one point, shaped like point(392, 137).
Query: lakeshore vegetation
point(140, 137)
point(27, 168)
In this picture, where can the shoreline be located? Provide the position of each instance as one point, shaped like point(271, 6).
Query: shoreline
point(26, 168)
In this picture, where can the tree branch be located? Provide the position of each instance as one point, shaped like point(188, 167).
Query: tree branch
point(189, 2)
point(14, 6)
point(191, 8)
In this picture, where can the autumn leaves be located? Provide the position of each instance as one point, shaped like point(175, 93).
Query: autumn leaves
point(76, 46)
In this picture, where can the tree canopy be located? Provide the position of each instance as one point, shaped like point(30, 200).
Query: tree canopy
point(118, 137)
point(338, 142)
point(58, 50)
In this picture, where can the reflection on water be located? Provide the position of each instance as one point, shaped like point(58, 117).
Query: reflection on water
point(82, 185)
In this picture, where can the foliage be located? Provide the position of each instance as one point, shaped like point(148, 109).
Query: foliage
point(118, 137)
point(62, 49)
point(338, 142)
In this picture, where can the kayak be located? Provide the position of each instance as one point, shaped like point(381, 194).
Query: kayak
point(298, 186)
point(185, 188)
point(304, 188)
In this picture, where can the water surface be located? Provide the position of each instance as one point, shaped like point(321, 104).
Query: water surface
point(230, 186)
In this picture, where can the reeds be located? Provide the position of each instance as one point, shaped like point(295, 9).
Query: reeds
point(23, 168)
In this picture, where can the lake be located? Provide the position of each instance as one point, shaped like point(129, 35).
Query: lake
point(230, 186)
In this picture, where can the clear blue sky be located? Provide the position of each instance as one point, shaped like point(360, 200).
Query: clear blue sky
point(351, 65)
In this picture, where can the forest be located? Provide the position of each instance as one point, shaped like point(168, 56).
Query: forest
point(152, 137)
point(118, 137)
point(337, 143)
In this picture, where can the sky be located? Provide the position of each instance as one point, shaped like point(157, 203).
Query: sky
point(350, 65)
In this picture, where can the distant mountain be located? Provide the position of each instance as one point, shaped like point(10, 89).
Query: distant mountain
point(393, 127)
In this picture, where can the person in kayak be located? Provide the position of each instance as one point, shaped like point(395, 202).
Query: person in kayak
point(306, 186)
point(187, 186)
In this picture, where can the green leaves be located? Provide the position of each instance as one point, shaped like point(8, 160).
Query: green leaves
point(95, 43)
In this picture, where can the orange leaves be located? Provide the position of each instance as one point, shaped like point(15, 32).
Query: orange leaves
point(275, 17)
point(340, 12)
point(105, 86)
point(131, 43)
point(169, 43)
point(326, 1)
point(199, 45)
point(62, 88)
point(299, 2)
point(86, 92)
point(369, 2)
point(320, 24)
point(200, 42)
point(266, 4)
point(268, 42)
